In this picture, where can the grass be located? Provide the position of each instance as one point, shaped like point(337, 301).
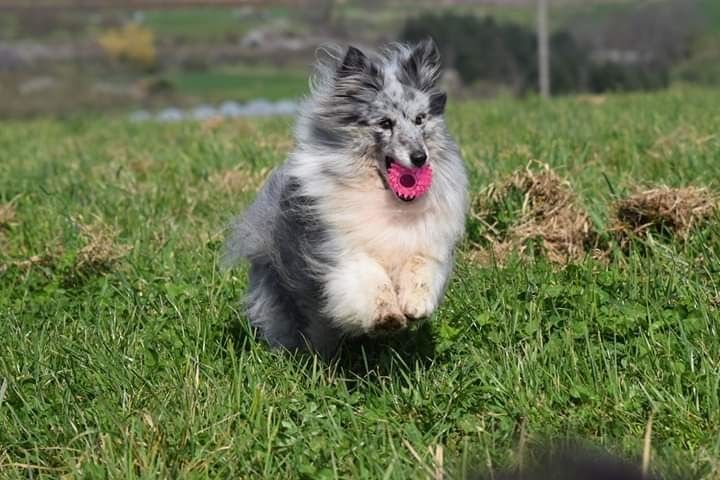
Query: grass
point(209, 23)
point(124, 353)
point(242, 83)
point(711, 15)
point(218, 23)
point(195, 22)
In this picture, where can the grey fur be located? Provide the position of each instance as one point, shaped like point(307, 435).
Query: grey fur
point(287, 242)
point(283, 242)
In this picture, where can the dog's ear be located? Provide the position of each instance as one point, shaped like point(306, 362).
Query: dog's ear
point(422, 67)
point(437, 103)
point(358, 71)
point(355, 62)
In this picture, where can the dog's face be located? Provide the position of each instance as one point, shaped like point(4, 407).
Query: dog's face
point(386, 109)
point(405, 112)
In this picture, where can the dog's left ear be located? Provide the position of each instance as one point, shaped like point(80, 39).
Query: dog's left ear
point(422, 68)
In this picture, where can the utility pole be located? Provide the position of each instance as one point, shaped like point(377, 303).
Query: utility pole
point(543, 48)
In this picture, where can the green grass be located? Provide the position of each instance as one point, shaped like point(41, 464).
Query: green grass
point(196, 23)
point(242, 83)
point(193, 22)
point(711, 14)
point(146, 368)
point(216, 23)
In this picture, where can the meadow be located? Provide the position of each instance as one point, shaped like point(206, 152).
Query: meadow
point(124, 352)
point(241, 83)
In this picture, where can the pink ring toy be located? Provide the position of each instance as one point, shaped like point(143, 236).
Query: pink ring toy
point(409, 183)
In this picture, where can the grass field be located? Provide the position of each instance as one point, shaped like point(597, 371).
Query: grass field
point(241, 83)
point(124, 354)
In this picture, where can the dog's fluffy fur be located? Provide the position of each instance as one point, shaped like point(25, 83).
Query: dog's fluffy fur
point(333, 251)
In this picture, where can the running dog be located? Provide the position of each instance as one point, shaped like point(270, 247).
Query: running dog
point(355, 233)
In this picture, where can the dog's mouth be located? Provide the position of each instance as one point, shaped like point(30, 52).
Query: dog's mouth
point(407, 183)
point(389, 162)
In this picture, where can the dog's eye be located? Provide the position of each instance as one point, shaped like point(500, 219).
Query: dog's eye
point(420, 119)
point(386, 124)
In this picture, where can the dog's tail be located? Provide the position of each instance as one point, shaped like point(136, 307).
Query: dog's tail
point(250, 235)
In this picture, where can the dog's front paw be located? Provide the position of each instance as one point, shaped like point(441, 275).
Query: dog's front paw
point(415, 293)
point(388, 315)
point(416, 301)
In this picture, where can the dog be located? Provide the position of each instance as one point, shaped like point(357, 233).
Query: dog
point(572, 461)
point(334, 250)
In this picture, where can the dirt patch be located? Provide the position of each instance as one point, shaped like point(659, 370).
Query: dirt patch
point(664, 210)
point(533, 209)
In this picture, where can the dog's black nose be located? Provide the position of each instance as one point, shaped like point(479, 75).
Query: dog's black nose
point(418, 158)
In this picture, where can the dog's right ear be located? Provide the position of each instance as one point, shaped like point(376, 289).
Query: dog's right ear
point(358, 73)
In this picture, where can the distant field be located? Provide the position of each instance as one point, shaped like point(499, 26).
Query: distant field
point(195, 22)
point(711, 10)
point(124, 353)
point(240, 83)
point(209, 23)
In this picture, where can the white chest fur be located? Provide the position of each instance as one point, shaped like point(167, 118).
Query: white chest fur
point(365, 217)
point(373, 221)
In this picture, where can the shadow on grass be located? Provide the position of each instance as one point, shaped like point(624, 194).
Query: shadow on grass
point(366, 357)
point(238, 332)
point(361, 358)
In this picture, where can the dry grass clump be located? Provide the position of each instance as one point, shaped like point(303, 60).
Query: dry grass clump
point(48, 258)
point(679, 140)
point(663, 210)
point(7, 214)
point(594, 100)
point(535, 211)
point(240, 179)
point(534, 206)
point(100, 251)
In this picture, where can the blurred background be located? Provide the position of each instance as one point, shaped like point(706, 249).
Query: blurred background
point(168, 60)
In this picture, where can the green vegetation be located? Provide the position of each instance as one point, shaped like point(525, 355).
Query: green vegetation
point(215, 23)
point(703, 65)
point(241, 83)
point(711, 14)
point(195, 23)
point(124, 353)
point(392, 15)
point(510, 57)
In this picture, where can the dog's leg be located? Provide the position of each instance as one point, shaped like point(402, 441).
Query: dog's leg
point(421, 284)
point(270, 311)
point(360, 297)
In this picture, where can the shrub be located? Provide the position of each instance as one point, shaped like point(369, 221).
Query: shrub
point(131, 43)
point(481, 49)
point(609, 76)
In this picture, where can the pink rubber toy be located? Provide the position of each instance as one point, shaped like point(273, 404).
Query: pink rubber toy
point(409, 183)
